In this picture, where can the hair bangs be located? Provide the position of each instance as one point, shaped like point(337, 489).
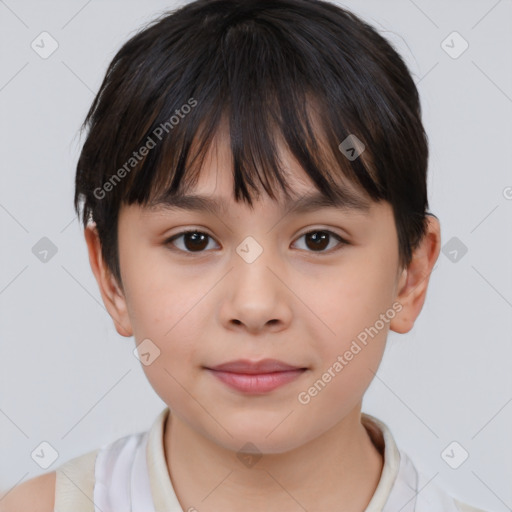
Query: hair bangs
point(281, 110)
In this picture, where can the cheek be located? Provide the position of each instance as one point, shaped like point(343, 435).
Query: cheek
point(354, 297)
point(172, 306)
point(162, 298)
point(358, 312)
point(356, 305)
point(168, 308)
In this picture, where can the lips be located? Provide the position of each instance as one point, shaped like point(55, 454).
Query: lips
point(256, 377)
point(255, 367)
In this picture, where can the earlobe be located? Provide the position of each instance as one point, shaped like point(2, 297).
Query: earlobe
point(111, 293)
point(413, 282)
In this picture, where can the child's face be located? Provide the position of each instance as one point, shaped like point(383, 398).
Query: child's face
point(297, 302)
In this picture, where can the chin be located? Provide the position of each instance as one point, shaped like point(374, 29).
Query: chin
point(258, 438)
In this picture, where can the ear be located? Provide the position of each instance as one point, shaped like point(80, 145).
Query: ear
point(413, 282)
point(111, 292)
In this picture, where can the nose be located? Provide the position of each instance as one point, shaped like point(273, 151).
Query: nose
point(256, 298)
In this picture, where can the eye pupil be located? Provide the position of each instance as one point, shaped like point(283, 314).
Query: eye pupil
point(199, 240)
point(319, 242)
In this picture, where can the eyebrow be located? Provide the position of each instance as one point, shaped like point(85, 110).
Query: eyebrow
point(345, 200)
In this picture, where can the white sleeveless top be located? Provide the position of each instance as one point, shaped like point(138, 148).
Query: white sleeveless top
point(131, 475)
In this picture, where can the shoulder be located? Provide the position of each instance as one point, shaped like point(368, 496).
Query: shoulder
point(69, 487)
point(36, 495)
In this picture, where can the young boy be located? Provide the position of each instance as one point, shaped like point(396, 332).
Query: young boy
point(284, 140)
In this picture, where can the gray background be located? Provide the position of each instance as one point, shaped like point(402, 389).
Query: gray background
point(67, 378)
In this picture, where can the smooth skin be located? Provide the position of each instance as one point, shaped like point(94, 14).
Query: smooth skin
point(34, 495)
point(295, 303)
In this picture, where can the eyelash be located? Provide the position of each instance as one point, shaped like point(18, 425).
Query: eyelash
point(342, 241)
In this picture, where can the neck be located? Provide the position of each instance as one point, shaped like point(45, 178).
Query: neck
point(341, 466)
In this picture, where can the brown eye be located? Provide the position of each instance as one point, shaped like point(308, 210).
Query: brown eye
point(319, 240)
point(192, 241)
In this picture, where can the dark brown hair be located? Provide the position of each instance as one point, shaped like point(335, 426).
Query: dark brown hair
point(306, 72)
